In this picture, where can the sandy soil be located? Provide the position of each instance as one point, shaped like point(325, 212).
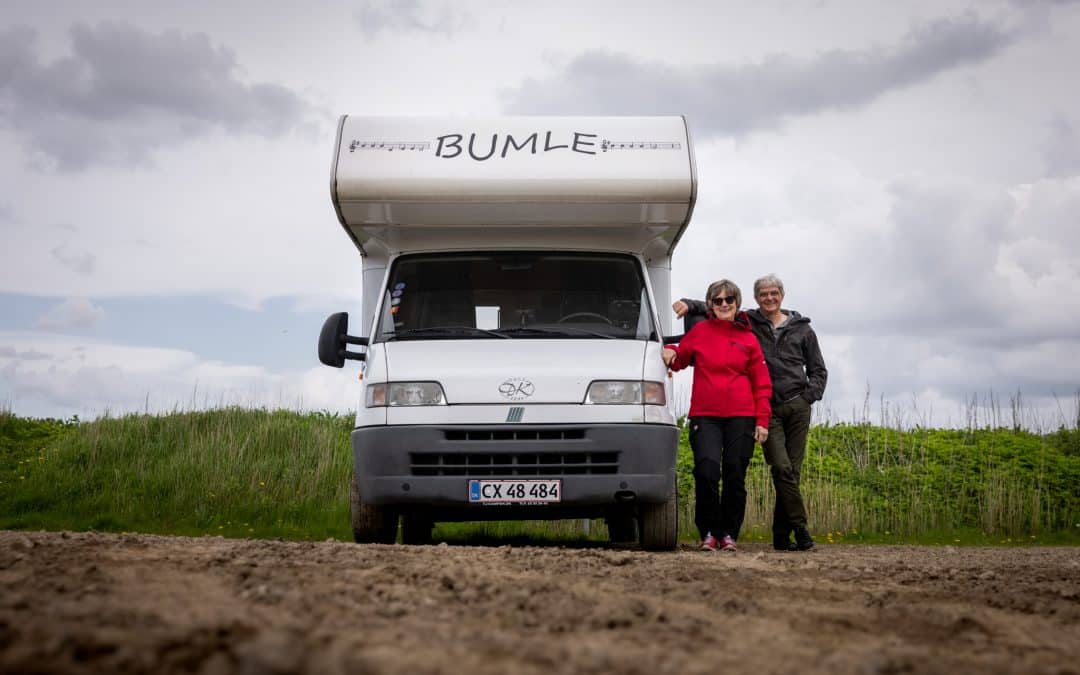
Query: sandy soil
point(135, 603)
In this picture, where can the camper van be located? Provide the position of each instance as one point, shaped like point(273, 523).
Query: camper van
point(516, 276)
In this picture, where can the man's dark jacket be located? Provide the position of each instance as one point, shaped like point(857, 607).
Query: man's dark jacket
point(795, 347)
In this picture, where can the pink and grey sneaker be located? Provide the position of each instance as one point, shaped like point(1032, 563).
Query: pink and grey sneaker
point(709, 543)
point(727, 544)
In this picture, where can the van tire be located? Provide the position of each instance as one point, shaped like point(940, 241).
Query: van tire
point(660, 524)
point(371, 524)
point(416, 529)
point(622, 529)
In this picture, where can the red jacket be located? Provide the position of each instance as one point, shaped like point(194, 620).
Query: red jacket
point(730, 375)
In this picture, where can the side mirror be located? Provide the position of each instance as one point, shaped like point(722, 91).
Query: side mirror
point(334, 337)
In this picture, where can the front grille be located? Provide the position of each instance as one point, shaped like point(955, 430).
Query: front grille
point(513, 464)
point(514, 434)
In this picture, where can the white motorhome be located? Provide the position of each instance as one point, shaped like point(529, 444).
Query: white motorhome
point(516, 275)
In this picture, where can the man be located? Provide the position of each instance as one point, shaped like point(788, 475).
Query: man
point(798, 376)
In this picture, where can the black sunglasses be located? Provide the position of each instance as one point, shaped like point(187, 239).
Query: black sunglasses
point(721, 300)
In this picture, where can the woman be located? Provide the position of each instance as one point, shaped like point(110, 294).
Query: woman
point(729, 411)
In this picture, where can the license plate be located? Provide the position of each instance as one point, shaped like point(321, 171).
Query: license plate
point(515, 491)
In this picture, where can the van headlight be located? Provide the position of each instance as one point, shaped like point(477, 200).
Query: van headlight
point(395, 394)
point(620, 392)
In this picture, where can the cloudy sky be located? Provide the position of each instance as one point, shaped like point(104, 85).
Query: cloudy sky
point(911, 170)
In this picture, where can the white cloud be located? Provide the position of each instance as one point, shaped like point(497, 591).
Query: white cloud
point(51, 375)
point(72, 313)
point(223, 217)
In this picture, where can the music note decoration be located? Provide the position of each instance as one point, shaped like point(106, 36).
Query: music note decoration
point(606, 145)
point(389, 146)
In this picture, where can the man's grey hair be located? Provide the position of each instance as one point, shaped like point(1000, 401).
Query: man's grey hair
point(768, 281)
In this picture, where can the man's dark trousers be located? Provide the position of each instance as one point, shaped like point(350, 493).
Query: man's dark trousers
point(784, 452)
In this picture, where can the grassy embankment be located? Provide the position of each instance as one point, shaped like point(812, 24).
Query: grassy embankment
point(263, 473)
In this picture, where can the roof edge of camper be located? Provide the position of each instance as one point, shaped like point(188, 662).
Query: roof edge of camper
point(420, 183)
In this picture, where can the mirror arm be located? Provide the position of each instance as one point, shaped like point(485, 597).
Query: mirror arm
point(352, 340)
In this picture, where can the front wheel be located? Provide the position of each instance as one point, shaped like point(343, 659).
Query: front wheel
point(660, 524)
point(371, 524)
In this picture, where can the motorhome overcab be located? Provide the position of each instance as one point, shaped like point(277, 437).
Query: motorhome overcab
point(516, 273)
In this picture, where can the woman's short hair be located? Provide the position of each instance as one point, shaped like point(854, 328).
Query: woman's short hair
point(725, 287)
point(768, 281)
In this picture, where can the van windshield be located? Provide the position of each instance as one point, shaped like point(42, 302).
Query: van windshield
point(520, 295)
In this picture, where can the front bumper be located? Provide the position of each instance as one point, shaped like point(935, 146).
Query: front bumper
point(599, 465)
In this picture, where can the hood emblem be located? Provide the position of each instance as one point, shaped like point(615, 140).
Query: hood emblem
point(516, 388)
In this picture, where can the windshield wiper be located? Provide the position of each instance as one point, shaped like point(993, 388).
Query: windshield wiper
point(445, 330)
point(564, 331)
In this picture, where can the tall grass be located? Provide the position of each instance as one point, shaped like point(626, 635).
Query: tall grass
point(243, 472)
point(999, 484)
point(230, 471)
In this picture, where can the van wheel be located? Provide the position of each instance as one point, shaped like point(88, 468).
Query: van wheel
point(622, 529)
point(660, 525)
point(416, 529)
point(371, 524)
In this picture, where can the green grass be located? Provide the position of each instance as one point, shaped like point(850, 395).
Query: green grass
point(259, 473)
point(973, 486)
point(232, 471)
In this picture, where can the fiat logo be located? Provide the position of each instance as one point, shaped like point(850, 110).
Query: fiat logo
point(516, 388)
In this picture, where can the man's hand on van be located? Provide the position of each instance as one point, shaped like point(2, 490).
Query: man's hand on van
point(680, 308)
point(668, 355)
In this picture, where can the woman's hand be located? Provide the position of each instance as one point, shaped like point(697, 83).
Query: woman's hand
point(668, 355)
point(761, 434)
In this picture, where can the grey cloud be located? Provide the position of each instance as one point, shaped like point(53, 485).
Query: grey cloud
point(940, 240)
point(72, 313)
point(736, 99)
point(80, 262)
point(975, 266)
point(407, 16)
point(28, 355)
point(945, 237)
point(124, 92)
point(1034, 4)
point(1051, 214)
point(905, 365)
point(1061, 152)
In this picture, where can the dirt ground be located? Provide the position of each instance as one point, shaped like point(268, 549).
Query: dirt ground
point(89, 603)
